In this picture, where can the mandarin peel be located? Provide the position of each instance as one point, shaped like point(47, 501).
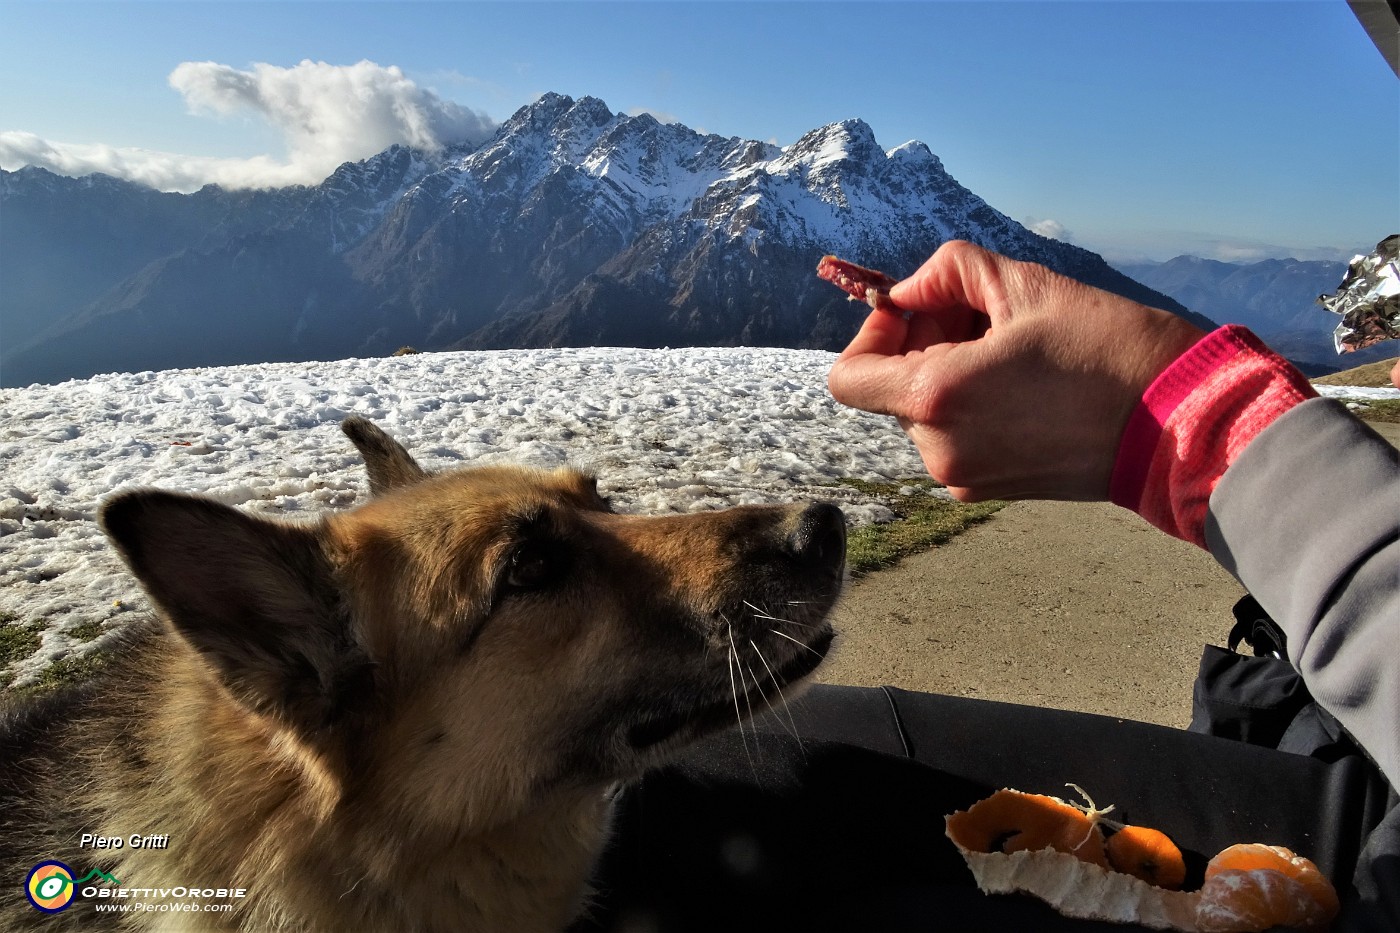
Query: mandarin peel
point(1013, 821)
point(1092, 812)
point(1046, 847)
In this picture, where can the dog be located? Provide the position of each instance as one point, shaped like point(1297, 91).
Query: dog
point(411, 715)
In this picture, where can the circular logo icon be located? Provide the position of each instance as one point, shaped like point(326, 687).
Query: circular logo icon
point(50, 887)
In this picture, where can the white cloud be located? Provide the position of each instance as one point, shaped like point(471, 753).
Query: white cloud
point(326, 115)
point(165, 171)
point(1237, 252)
point(1246, 251)
point(1048, 228)
point(1160, 245)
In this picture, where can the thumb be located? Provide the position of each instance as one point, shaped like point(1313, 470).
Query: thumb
point(959, 277)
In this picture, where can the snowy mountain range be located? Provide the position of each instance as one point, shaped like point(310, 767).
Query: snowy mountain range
point(571, 226)
point(1275, 298)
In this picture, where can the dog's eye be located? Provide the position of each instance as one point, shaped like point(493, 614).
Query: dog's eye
point(531, 566)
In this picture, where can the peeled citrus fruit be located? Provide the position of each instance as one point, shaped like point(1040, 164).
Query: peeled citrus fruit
point(1252, 886)
point(1058, 851)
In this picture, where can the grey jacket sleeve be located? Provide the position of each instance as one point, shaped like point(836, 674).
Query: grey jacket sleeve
point(1308, 519)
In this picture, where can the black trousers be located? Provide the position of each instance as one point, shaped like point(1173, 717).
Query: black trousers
point(841, 827)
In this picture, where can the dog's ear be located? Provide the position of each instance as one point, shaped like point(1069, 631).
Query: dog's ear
point(257, 599)
point(389, 464)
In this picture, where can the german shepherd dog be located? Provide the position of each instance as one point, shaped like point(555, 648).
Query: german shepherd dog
point(409, 716)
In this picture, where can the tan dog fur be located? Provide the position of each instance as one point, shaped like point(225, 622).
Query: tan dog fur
point(410, 715)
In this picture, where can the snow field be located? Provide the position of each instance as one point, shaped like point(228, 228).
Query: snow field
point(664, 430)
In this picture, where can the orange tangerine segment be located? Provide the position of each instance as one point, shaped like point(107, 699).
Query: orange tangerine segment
point(1244, 901)
point(1254, 856)
point(1012, 821)
point(1147, 854)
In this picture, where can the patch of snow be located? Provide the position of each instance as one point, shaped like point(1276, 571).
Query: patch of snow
point(1357, 392)
point(664, 430)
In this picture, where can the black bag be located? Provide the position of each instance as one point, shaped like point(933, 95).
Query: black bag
point(1261, 699)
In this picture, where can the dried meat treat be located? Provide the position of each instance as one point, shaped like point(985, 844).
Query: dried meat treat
point(862, 284)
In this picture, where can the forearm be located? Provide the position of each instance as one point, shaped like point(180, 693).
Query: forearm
point(1231, 450)
point(1308, 519)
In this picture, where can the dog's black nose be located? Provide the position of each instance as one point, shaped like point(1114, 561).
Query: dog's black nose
point(820, 537)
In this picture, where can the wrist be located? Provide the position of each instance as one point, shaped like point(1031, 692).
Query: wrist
point(1194, 420)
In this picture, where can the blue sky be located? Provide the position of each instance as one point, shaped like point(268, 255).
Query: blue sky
point(1229, 129)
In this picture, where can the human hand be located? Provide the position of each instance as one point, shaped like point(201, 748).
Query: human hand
point(1014, 382)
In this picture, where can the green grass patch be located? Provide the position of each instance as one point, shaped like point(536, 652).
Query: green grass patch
point(17, 642)
point(70, 670)
point(87, 631)
point(1381, 410)
point(924, 520)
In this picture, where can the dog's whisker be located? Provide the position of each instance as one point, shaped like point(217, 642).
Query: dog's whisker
point(781, 699)
point(796, 642)
point(759, 687)
point(785, 621)
point(761, 692)
point(738, 662)
point(767, 616)
point(760, 612)
point(733, 659)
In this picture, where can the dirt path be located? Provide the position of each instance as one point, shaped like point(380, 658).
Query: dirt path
point(1075, 606)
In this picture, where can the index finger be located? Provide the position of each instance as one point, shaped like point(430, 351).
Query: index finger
point(884, 333)
point(872, 372)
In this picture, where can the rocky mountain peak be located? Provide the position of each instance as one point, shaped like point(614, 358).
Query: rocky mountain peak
point(915, 153)
point(572, 225)
point(848, 140)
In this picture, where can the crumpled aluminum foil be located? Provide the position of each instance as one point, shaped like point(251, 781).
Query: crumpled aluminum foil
point(1368, 298)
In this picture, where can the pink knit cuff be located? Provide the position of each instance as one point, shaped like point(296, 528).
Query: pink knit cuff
point(1194, 421)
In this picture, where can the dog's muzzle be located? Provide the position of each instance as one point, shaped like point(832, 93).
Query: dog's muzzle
point(820, 537)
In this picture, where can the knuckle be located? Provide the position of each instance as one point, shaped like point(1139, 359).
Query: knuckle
point(932, 402)
point(961, 251)
point(954, 473)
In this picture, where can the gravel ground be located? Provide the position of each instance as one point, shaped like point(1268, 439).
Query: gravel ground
point(1067, 605)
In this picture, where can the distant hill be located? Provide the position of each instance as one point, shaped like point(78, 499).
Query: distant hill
point(1371, 375)
point(1275, 298)
point(572, 226)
